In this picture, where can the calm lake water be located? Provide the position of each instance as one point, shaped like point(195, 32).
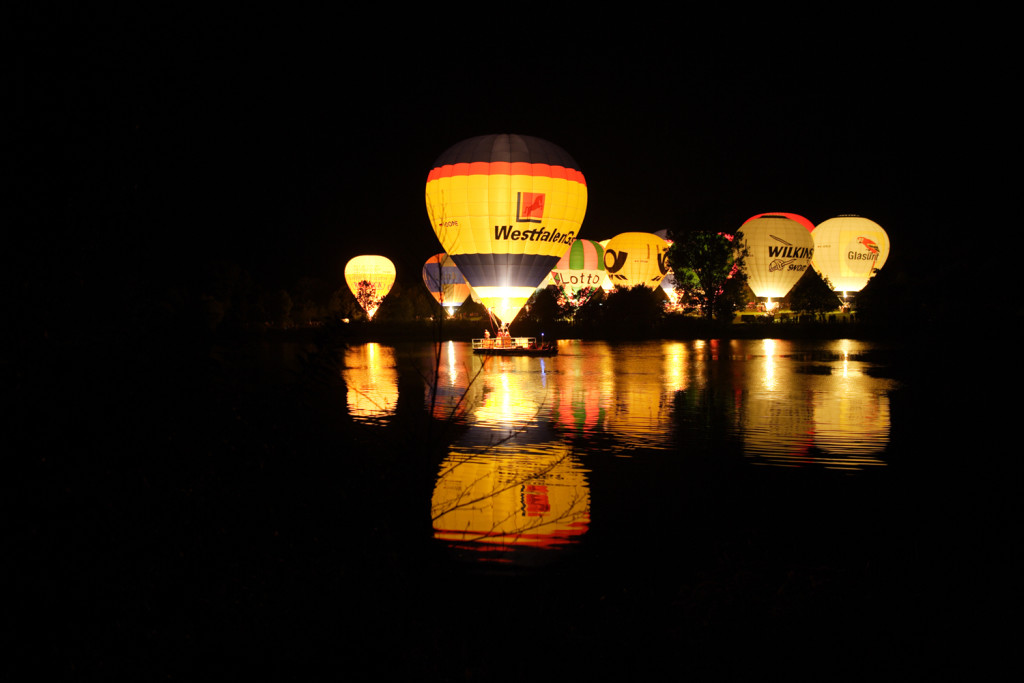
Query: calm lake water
point(517, 483)
point(710, 510)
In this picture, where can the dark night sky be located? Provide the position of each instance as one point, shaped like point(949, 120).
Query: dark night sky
point(288, 144)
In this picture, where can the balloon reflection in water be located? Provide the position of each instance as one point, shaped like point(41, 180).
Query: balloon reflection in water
point(508, 496)
point(829, 414)
point(372, 381)
point(851, 421)
point(452, 393)
point(641, 401)
point(583, 388)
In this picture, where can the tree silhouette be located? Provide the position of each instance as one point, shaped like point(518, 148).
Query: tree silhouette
point(813, 293)
point(709, 273)
point(366, 295)
point(570, 301)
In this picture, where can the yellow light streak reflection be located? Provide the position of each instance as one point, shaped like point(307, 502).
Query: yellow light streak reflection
point(371, 379)
point(769, 364)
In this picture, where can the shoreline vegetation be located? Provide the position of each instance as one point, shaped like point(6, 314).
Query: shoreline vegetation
point(835, 326)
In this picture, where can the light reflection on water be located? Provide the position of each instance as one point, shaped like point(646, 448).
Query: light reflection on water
point(510, 496)
point(371, 379)
point(517, 478)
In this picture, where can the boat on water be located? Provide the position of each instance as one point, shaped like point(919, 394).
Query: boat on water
point(514, 346)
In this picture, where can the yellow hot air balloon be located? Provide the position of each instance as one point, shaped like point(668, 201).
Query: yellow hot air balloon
point(795, 216)
point(505, 208)
point(848, 250)
point(668, 283)
point(636, 258)
point(370, 279)
point(780, 252)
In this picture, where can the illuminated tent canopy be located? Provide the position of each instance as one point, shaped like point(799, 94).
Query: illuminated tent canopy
point(636, 258)
point(444, 282)
point(505, 208)
point(370, 278)
point(848, 250)
point(780, 253)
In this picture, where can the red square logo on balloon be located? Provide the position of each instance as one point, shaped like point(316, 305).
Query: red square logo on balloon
point(530, 207)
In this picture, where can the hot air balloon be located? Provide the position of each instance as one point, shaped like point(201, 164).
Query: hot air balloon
point(581, 267)
point(636, 258)
point(780, 251)
point(793, 216)
point(370, 278)
point(505, 208)
point(668, 283)
point(848, 250)
point(444, 282)
point(607, 285)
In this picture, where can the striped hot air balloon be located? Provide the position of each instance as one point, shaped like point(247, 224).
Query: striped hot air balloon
point(444, 282)
point(581, 267)
point(505, 208)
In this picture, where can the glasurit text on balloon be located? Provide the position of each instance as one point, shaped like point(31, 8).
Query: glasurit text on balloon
point(858, 256)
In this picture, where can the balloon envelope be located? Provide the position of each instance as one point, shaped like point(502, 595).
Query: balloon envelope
point(505, 208)
point(792, 216)
point(848, 250)
point(668, 283)
point(607, 285)
point(636, 258)
point(581, 267)
point(780, 253)
point(444, 281)
point(370, 278)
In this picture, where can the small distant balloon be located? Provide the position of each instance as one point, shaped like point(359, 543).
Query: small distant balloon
point(444, 282)
point(370, 278)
